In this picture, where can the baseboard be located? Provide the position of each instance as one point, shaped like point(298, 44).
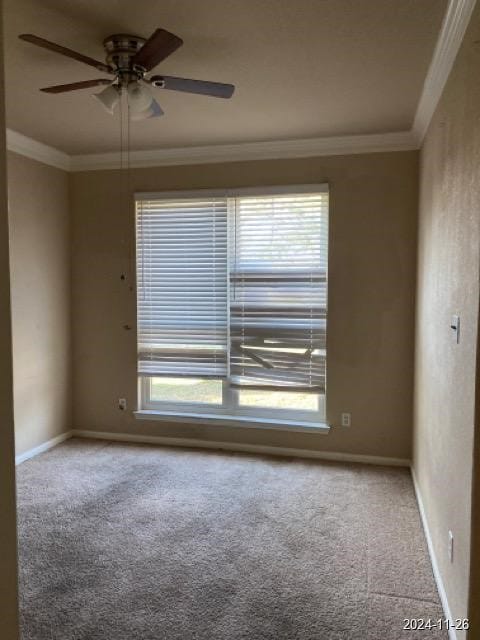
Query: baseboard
point(212, 444)
point(45, 446)
point(436, 571)
point(240, 447)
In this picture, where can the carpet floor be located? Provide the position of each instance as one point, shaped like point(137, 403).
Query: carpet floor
point(131, 542)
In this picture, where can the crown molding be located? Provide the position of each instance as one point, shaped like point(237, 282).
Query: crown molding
point(280, 149)
point(18, 143)
point(453, 29)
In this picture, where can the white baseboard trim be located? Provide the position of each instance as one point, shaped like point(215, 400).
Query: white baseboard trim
point(436, 571)
point(45, 446)
point(211, 444)
point(240, 447)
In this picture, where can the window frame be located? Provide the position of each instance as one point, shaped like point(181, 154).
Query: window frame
point(230, 405)
point(230, 408)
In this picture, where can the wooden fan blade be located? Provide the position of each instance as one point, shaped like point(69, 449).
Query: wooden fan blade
point(158, 47)
point(73, 86)
point(202, 87)
point(46, 44)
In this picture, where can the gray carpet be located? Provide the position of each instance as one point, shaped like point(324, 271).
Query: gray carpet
point(128, 542)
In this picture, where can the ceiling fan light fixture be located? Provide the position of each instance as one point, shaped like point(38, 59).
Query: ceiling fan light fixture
point(153, 111)
point(109, 97)
point(128, 59)
point(141, 103)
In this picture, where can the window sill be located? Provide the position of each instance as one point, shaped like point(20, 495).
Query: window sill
point(235, 421)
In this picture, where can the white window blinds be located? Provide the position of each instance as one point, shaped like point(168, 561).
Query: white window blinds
point(182, 287)
point(279, 292)
point(234, 286)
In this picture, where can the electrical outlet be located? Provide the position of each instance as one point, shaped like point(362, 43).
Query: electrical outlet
point(122, 404)
point(450, 546)
point(346, 419)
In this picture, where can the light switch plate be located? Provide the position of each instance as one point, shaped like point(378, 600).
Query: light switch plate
point(450, 546)
point(455, 326)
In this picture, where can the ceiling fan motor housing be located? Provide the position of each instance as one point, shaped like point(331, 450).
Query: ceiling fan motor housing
point(121, 48)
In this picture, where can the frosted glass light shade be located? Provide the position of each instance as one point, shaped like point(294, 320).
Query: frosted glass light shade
point(109, 98)
point(141, 103)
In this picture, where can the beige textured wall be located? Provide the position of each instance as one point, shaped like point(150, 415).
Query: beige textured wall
point(40, 272)
point(8, 556)
point(448, 271)
point(474, 594)
point(371, 316)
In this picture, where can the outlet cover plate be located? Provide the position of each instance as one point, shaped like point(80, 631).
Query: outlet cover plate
point(346, 419)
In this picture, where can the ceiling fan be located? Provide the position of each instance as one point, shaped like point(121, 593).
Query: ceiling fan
point(129, 59)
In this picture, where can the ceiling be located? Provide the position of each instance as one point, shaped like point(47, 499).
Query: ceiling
point(302, 69)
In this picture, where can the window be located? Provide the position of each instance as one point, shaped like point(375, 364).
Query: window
point(232, 302)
